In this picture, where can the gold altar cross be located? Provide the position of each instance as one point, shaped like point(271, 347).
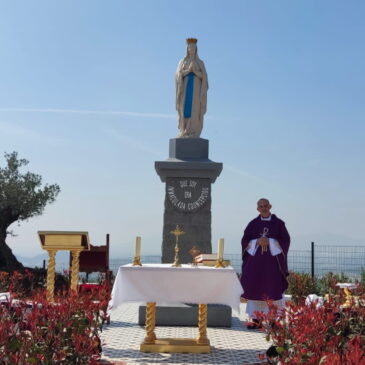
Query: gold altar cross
point(177, 233)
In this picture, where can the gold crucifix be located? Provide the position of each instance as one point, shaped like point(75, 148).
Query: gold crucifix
point(177, 233)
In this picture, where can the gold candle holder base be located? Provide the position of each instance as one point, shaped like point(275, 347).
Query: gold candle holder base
point(347, 287)
point(176, 263)
point(176, 260)
point(137, 261)
point(348, 301)
point(219, 263)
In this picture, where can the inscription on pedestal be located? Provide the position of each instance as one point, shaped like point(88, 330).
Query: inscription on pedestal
point(188, 204)
point(187, 194)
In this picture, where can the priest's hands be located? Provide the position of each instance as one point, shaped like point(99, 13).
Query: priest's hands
point(264, 243)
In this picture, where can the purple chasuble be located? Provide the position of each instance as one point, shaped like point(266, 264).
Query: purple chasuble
point(263, 275)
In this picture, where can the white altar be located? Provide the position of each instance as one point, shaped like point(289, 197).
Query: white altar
point(163, 284)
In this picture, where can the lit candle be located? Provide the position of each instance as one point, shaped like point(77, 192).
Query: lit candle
point(137, 251)
point(220, 248)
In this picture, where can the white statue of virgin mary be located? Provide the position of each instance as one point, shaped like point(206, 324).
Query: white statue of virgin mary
point(191, 92)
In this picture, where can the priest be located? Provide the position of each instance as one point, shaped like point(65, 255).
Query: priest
point(265, 245)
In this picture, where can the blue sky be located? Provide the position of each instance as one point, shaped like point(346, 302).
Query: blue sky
point(87, 96)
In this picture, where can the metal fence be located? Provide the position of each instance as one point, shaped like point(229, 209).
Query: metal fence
point(317, 260)
point(349, 260)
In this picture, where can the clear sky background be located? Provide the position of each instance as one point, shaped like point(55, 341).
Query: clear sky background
point(87, 95)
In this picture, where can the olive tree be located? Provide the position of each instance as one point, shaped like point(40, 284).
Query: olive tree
point(21, 197)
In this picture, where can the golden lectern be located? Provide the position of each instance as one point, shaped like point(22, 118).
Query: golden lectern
point(53, 241)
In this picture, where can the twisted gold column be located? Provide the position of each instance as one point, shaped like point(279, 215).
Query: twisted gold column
point(75, 269)
point(150, 323)
point(51, 274)
point(202, 324)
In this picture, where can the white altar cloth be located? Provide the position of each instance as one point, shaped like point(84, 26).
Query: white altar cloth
point(164, 284)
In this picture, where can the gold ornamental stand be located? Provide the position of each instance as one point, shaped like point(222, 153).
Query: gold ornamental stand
point(200, 345)
point(347, 287)
point(53, 241)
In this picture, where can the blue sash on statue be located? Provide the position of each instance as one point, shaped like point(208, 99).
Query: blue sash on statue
point(189, 95)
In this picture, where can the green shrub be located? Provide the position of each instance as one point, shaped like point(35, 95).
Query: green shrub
point(362, 276)
point(327, 283)
point(301, 285)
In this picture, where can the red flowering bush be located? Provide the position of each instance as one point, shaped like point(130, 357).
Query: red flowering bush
point(24, 283)
point(326, 335)
point(20, 283)
point(65, 331)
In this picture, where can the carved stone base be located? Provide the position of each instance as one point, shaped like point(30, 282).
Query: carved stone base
point(187, 315)
point(188, 174)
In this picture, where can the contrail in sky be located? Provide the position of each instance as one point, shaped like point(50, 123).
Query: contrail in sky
point(95, 112)
point(78, 111)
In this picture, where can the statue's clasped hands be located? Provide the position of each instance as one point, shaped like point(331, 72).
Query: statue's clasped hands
point(263, 242)
point(191, 67)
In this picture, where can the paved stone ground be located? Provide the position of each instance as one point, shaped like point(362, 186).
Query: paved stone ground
point(234, 346)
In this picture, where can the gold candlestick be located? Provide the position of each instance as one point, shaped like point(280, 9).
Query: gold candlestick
point(219, 263)
point(137, 261)
point(137, 252)
point(177, 233)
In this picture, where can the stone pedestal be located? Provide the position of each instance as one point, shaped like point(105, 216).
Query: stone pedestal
point(188, 174)
point(187, 315)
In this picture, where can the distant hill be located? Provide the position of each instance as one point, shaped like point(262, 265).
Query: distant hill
point(62, 260)
point(303, 242)
point(32, 261)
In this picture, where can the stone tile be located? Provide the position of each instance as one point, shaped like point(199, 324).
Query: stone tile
point(234, 346)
